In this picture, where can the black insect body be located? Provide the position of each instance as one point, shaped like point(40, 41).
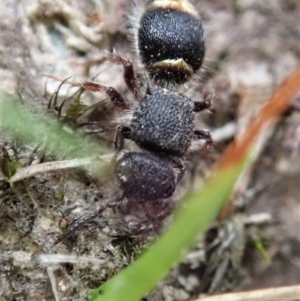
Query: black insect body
point(163, 123)
point(142, 177)
point(145, 177)
point(171, 44)
point(163, 126)
point(170, 40)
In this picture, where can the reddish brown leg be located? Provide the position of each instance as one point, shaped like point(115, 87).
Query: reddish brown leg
point(204, 104)
point(123, 132)
point(203, 135)
point(129, 75)
point(115, 97)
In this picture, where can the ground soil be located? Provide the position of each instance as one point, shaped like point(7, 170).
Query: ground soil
point(252, 46)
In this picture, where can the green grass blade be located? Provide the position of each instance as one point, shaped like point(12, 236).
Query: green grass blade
point(31, 127)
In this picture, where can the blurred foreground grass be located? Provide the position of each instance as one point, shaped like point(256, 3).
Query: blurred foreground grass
point(39, 129)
